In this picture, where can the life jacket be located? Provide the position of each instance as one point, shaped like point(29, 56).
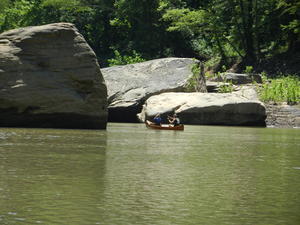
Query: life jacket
point(157, 120)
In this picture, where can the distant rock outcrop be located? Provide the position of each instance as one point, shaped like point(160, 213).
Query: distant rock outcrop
point(238, 78)
point(237, 108)
point(130, 85)
point(50, 77)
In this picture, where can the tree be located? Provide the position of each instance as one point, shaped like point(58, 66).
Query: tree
point(231, 30)
point(290, 17)
point(138, 25)
point(13, 14)
point(249, 29)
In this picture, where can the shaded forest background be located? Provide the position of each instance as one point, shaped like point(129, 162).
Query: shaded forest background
point(264, 34)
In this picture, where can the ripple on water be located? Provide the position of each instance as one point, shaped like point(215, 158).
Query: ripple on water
point(129, 175)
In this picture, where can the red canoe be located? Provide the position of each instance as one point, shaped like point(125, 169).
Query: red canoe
point(149, 124)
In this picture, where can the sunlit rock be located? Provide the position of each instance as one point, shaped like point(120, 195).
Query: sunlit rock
point(50, 77)
point(237, 108)
point(130, 85)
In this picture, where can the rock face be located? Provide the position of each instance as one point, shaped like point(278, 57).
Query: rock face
point(283, 115)
point(213, 86)
point(50, 77)
point(239, 78)
point(238, 108)
point(130, 85)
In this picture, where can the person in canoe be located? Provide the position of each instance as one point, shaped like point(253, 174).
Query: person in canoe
point(174, 120)
point(157, 119)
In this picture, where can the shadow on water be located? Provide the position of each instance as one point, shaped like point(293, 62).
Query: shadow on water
point(51, 176)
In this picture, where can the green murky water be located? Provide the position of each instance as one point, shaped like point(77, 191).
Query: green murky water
point(131, 175)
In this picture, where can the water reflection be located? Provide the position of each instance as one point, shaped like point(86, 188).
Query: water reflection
point(130, 175)
point(45, 174)
point(199, 176)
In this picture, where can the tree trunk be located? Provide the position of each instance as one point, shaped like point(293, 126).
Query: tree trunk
point(248, 22)
point(222, 52)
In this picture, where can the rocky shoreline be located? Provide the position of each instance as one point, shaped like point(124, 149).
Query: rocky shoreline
point(239, 108)
point(282, 115)
point(129, 86)
point(50, 77)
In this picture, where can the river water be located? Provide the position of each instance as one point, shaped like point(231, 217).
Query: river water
point(129, 175)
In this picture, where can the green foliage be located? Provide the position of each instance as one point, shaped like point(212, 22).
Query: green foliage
point(3, 5)
point(224, 68)
point(196, 69)
point(283, 89)
point(185, 20)
point(218, 74)
point(226, 88)
point(125, 59)
point(15, 15)
point(236, 28)
point(61, 4)
point(192, 25)
point(218, 31)
point(213, 61)
point(138, 27)
point(248, 70)
point(291, 10)
point(264, 77)
point(192, 83)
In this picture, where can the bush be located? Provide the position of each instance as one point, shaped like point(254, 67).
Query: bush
point(283, 89)
point(126, 59)
point(191, 85)
point(248, 70)
point(226, 88)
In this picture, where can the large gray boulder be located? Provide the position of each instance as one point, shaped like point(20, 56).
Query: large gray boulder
point(238, 108)
point(130, 85)
point(50, 77)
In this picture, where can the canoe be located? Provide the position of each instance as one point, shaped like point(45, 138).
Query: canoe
point(149, 124)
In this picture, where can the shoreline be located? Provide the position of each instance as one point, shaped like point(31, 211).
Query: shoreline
point(282, 115)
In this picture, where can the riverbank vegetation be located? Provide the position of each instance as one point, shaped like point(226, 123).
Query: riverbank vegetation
point(241, 35)
point(281, 89)
point(263, 34)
